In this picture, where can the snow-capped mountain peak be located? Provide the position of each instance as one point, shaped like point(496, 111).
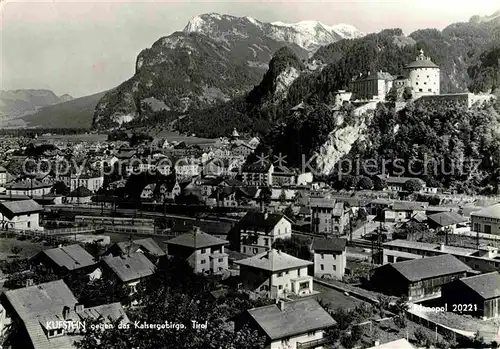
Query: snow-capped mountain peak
point(308, 34)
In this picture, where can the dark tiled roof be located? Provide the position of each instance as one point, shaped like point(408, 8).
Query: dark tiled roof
point(80, 192)
point(329, 244)
point(424, 63)
point(71, 257)
point(297, 317)
point(446, 218)
point(148, 245)
point(485, 285)
point(130, 267)
point(259, 221)
point(14, 208)
point(430, 267)
point(196, 240)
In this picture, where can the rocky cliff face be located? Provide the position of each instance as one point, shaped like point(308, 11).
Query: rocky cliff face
point(215, 58)
point(341, 139)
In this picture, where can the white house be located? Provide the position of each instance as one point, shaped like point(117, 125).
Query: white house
point(23, 214)
point(423, 76)
point(286, 325)
point(259, 230)
point(205, 253)
point(487, 220)
point(329, 257)
point(275, 274)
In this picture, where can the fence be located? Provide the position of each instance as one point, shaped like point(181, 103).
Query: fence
point(461, 336)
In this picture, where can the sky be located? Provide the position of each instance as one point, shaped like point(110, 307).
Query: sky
point(84, 47)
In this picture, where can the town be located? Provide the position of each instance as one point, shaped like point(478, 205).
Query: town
point(320, 224)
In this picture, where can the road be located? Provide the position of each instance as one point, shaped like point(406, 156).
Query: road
point(369, 227)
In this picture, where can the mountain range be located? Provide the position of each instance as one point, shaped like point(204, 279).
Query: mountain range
point(214, 59)
point(16, 103)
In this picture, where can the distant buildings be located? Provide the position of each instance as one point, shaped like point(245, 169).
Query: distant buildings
point(371, 86)
point(328, 216)
point(29, 187)
point(296, 324)
point(203, 252)
point(23, 214)
point(418, 278)
point(329, 256)
point(257, 174)
point(275, 274)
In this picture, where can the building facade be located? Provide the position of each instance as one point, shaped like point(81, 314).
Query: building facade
point(329, 256)
point(423, 76)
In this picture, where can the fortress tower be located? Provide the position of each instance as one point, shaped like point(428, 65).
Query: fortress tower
point(423, 76)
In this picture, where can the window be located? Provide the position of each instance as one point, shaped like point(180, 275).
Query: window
point(266, 241)
point(312, 333)
point(280, 274)
point(203, 251)
point(29, 224)
point(221, 260)
point(334, 268)
point(390, 259)
point(420, 90)
point(322, 256)
point(322, 267)
point(430, 90)
point(280, 287)
point(203, 261)
point(416, 83)
point(334, 256)
point(244, 250)
point(255, 251)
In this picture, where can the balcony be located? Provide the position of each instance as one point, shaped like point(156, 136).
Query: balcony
point(313, 344)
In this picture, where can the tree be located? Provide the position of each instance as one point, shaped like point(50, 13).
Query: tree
point(265, 196)
point(365, 183)
point(296, 246)
point(289, 212)
point(392, 95)
point(407, 94)
point(60, 188)
point(16, 250)
point(185, 296)
point(412, 185)
point(282, 197)
point(421, 337)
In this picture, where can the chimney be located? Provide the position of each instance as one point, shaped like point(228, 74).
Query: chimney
point(65, 312)
point(281, 305)
point(78, 308)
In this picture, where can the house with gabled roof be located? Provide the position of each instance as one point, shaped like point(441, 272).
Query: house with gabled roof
point(477, 295)
point(203, 252)
point(276, 274)
point(329, 256)
point(296, 324)
point(22, 214)
point(256, 232)
point(65, 259)
point(448, 221)
point(80, 195)
point(147, 246)
point(129, 269)
point(29, 187)
point(419, 278)
point(42, 313)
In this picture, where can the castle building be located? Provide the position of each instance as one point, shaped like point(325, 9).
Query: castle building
point(371, 86)
point(423, 76)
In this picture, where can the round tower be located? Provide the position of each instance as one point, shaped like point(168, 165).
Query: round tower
point(423, 76)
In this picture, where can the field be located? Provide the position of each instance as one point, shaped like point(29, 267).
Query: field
point(334, 298)
point(28, 248)
point(84, 137)
point(175, 136)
